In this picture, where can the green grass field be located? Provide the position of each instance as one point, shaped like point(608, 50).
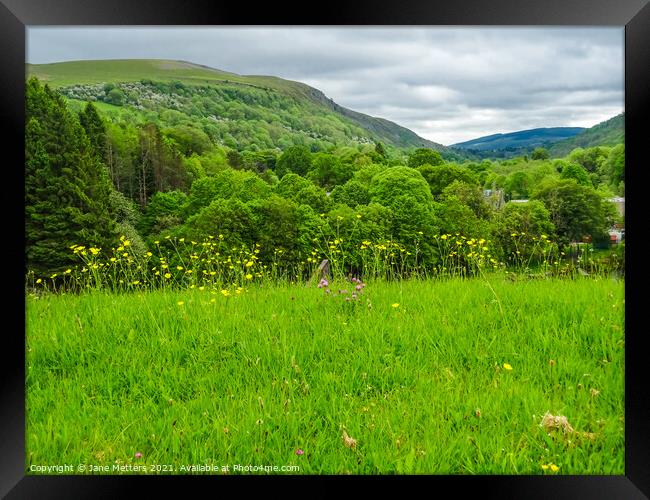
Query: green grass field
point(107, 110)
point(424, 377)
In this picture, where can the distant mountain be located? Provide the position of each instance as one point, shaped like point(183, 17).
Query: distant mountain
point(523, 139)
point(607, 133)
point(280, 111)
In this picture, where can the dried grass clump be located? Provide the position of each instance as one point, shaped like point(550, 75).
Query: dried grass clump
point(560, 423)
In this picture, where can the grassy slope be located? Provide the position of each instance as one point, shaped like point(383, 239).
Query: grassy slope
point(76, 106)
point(128, 70)
point(133, 70)
point(607, 133)
point(287, 368)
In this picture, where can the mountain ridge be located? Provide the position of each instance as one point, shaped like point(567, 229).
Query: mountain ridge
point(88, 72)
point(518, 139)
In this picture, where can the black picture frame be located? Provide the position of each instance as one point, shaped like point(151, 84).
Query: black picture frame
point(15, 15)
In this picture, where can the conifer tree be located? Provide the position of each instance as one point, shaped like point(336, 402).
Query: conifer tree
point(66, 186)
point(95, 129)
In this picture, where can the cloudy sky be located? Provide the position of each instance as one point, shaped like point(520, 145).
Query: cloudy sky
point(447, 84)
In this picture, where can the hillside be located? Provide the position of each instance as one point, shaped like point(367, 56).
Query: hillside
point(607, 133)
point(239, 111)
point(521, 139)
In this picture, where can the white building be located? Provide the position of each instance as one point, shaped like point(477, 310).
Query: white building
point(620, 204)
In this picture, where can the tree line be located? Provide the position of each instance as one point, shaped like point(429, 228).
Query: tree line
point(90, 179)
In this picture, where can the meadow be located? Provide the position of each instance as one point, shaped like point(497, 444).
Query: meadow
point(228, 325)
point(494, 374)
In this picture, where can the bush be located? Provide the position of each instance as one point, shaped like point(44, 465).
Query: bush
point(352, 193)
point(115, 97)
point(388, 187)
point(521, 232)
point(440, 176)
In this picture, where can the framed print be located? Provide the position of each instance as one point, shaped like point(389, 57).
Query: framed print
point(380, 241)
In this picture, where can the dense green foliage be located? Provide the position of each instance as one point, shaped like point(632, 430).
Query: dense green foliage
point(575, 210)
point(173, 178)
point(423, 156)
point(66, 187)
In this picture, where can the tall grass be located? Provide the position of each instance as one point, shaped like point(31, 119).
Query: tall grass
point(216, 264)
point(422, 376)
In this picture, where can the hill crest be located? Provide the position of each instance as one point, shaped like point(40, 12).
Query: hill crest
point(88, 72)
